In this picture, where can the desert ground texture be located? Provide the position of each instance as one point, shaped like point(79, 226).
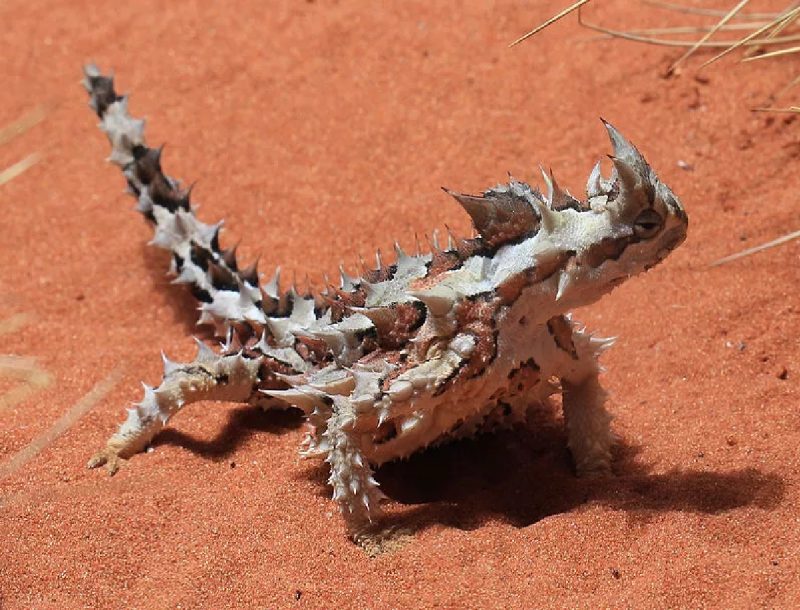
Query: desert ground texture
point(322, 130)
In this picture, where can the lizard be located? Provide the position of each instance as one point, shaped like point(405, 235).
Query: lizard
point(439, 344)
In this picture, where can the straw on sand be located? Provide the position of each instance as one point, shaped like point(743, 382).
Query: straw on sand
point(23, 124)
point(765, 30)
point(14, 129)
point(760, 248)
point(17, 168)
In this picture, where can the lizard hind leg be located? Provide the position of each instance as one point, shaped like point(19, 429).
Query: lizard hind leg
point(354, 488)
point(210, 376)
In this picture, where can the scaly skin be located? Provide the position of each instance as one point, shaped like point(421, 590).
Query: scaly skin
point(433, 347)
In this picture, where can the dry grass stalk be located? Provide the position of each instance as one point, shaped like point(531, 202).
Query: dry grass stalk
point(550, 21)
point(22, 124)
point(15, 170)
point(760, 248)
point(708, 44)
point(14, 129)
point(721, 23)
point(708, 12)
point(765, 30)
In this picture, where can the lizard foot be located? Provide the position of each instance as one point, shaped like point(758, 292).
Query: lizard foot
point(106, 456)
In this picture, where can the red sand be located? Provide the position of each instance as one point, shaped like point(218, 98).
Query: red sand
point(322, 129)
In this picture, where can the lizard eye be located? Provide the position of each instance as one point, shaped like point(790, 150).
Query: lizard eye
point(647, 224)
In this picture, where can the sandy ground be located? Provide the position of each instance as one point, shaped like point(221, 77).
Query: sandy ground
point(320, 130)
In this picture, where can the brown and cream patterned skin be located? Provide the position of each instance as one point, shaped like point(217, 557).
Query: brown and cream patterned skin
point(432, 347)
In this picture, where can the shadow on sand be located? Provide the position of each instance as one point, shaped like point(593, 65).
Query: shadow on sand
point(519, 476)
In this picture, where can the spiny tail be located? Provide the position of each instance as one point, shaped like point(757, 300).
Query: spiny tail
point(227, 294)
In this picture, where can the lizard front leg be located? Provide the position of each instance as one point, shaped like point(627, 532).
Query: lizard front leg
point(209, 377)
point(589, 436)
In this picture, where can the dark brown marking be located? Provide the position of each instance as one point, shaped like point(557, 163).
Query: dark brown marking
point(441, 261)
point(561, 331)
point(607, 249)
point(448, 260)
point(341, 302)
point(385, 432)
point(398, 323)
point(200, 256)
point(221, 278)
point(103, 93)
point(147, 163)
point(229, 258)
point(162, 193)
point(477, 316)
point(510, 290)
point(250, 273)
point(381, 274)
point(525, 376)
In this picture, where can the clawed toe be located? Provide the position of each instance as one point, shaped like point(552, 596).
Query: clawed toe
point(108, 457)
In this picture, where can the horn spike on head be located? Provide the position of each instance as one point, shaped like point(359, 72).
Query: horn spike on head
point(594, 185)
point(548, 182)
point(626, 173)
point(623, 149)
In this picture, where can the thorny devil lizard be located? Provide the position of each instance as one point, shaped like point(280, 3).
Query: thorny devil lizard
point(433, 347)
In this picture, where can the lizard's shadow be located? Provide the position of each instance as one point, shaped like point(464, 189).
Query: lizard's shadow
point(243, 423)
point(519, 476)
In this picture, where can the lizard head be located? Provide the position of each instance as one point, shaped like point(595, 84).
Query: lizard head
point(645, 220)
point(580, 249)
